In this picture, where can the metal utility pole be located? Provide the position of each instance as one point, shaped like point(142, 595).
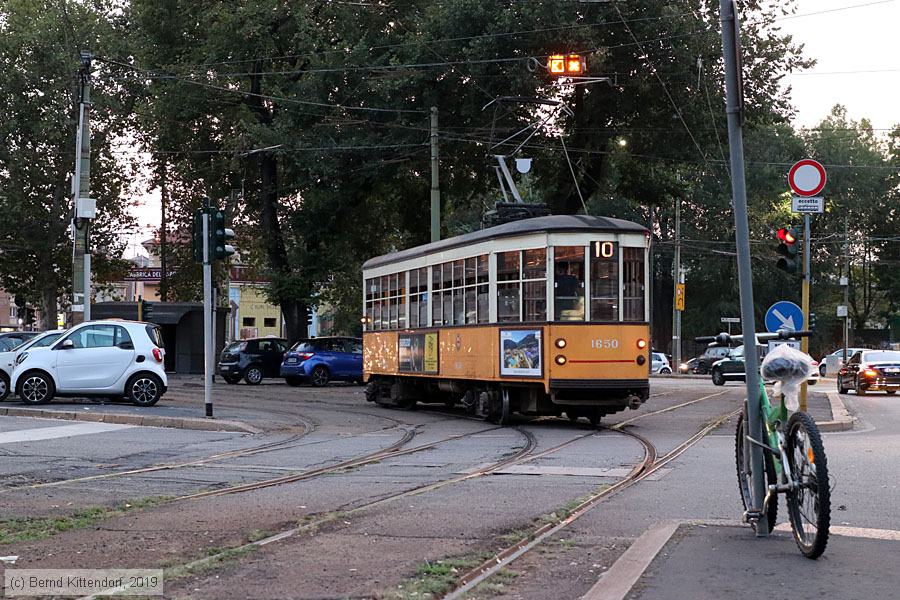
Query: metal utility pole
point(163, 235)
point(676, 281)
point(85, 208)
point(804, 342)
point(207, 309)
point(435, 184)
point(846, 284)
point(734, 110)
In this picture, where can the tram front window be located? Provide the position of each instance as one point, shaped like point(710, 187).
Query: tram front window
point(568, 299)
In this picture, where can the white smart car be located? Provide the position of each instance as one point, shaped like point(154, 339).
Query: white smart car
point(99, 358)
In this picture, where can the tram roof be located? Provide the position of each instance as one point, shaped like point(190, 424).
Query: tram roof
point(549, 224)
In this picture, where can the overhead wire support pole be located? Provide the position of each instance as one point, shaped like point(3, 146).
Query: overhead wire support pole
point(676, 280)
point(734, 108)
point(435, 182)
point(81, 191)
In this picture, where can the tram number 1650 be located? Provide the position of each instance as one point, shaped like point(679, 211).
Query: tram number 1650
point(605, 344)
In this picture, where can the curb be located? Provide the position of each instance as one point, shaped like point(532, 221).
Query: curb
point(143, 421)
point(842, 420)
point(678, 376)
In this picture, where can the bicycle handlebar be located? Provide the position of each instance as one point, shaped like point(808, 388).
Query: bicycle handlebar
point(724, 339)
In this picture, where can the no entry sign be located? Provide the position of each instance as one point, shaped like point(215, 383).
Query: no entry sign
point(807, 177)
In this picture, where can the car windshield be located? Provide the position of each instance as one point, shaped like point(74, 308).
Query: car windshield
point(42, 341)
point(886, 356)
point(737, 352)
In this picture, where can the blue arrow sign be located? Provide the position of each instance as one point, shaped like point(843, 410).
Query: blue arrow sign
point(784, 315)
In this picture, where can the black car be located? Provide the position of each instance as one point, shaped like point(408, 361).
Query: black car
point(870, 371)
point(12, 339)
point(252, 359)
point(705, 361)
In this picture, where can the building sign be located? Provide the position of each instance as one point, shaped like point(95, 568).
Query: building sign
point(521, 352)
point(418, 352)
point(145, 274)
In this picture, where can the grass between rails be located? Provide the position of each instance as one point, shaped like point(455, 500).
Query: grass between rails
point(435, 579)
point(13, 531)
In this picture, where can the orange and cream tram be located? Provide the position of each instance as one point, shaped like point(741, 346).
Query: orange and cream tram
point(540, 316)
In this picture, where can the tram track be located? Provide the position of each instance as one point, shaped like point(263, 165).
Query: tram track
point(647, 467)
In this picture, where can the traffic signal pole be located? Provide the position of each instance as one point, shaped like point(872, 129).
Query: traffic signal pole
point(207, 320)
point(734, 110)
point(804, 342)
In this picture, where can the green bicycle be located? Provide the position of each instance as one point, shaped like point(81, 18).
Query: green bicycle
point(795, 465)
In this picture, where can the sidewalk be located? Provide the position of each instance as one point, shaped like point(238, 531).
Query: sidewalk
point(698, 561)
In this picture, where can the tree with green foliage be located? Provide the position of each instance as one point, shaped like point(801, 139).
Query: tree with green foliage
point(39, 49)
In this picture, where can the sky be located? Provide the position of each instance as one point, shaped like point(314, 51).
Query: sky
point(855, 44)
point(846, 43)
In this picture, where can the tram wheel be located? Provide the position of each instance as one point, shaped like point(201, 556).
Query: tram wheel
point(503, 417)
point(594, 417)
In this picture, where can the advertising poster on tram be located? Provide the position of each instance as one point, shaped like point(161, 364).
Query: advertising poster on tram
point(418, 353)
point(521, 352)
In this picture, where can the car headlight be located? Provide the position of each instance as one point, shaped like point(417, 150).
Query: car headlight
point(21, 358)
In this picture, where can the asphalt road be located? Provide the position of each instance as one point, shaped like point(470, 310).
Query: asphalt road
point(449, 487)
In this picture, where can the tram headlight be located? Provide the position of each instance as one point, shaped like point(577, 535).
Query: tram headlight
point(641, 344)
point(560, 359)
point(560, 343)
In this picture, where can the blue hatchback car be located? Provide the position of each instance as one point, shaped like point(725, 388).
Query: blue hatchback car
point(320, 360)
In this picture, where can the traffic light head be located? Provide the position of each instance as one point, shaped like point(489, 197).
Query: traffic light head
point(29, 317)
point(565, 64)
point(219, 236)
point(197, 237)
point(788, 235)
point(788, 260)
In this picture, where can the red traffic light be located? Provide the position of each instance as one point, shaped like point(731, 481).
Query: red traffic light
point(787, 235)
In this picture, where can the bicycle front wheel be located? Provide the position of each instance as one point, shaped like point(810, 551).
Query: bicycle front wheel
point(745, 475)
point(809, 505)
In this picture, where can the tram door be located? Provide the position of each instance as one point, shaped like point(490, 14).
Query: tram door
point(568, 283)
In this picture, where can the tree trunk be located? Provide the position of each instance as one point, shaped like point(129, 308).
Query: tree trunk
point(295, 314)
point(48, 304)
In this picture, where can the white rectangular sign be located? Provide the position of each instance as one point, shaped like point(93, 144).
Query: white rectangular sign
point(731, 319)
point(815, 204)
point(775, 343)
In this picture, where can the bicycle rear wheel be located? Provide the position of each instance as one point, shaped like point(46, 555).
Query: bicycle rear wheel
point(745, 475)
point(809, 506)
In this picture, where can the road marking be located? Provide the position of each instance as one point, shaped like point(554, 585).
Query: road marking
point(625, 572)
point(857, 532)
point(51, 433)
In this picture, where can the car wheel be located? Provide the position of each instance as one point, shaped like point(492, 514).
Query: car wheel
point(822, 370)
point(665, 371)
point(231, 379)
point(812, 381)
point(859, 390)
point(36, 388)
point(890, 392)
point(319, 376)
point(253, 375)
point(840, 386)
point(293, 381)
point(717, 377)
point(4, 386)
point(144, 389)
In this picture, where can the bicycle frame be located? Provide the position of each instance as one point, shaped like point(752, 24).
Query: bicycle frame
point(774, 417)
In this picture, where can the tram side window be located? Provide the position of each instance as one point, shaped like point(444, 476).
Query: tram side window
point(633, 284)
point(534, 285)
point(604, 281)
point(436, 295)
point(483, 294)
point(568, 297)
point(370, 305)
point(508, 281)
point(418, 297)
